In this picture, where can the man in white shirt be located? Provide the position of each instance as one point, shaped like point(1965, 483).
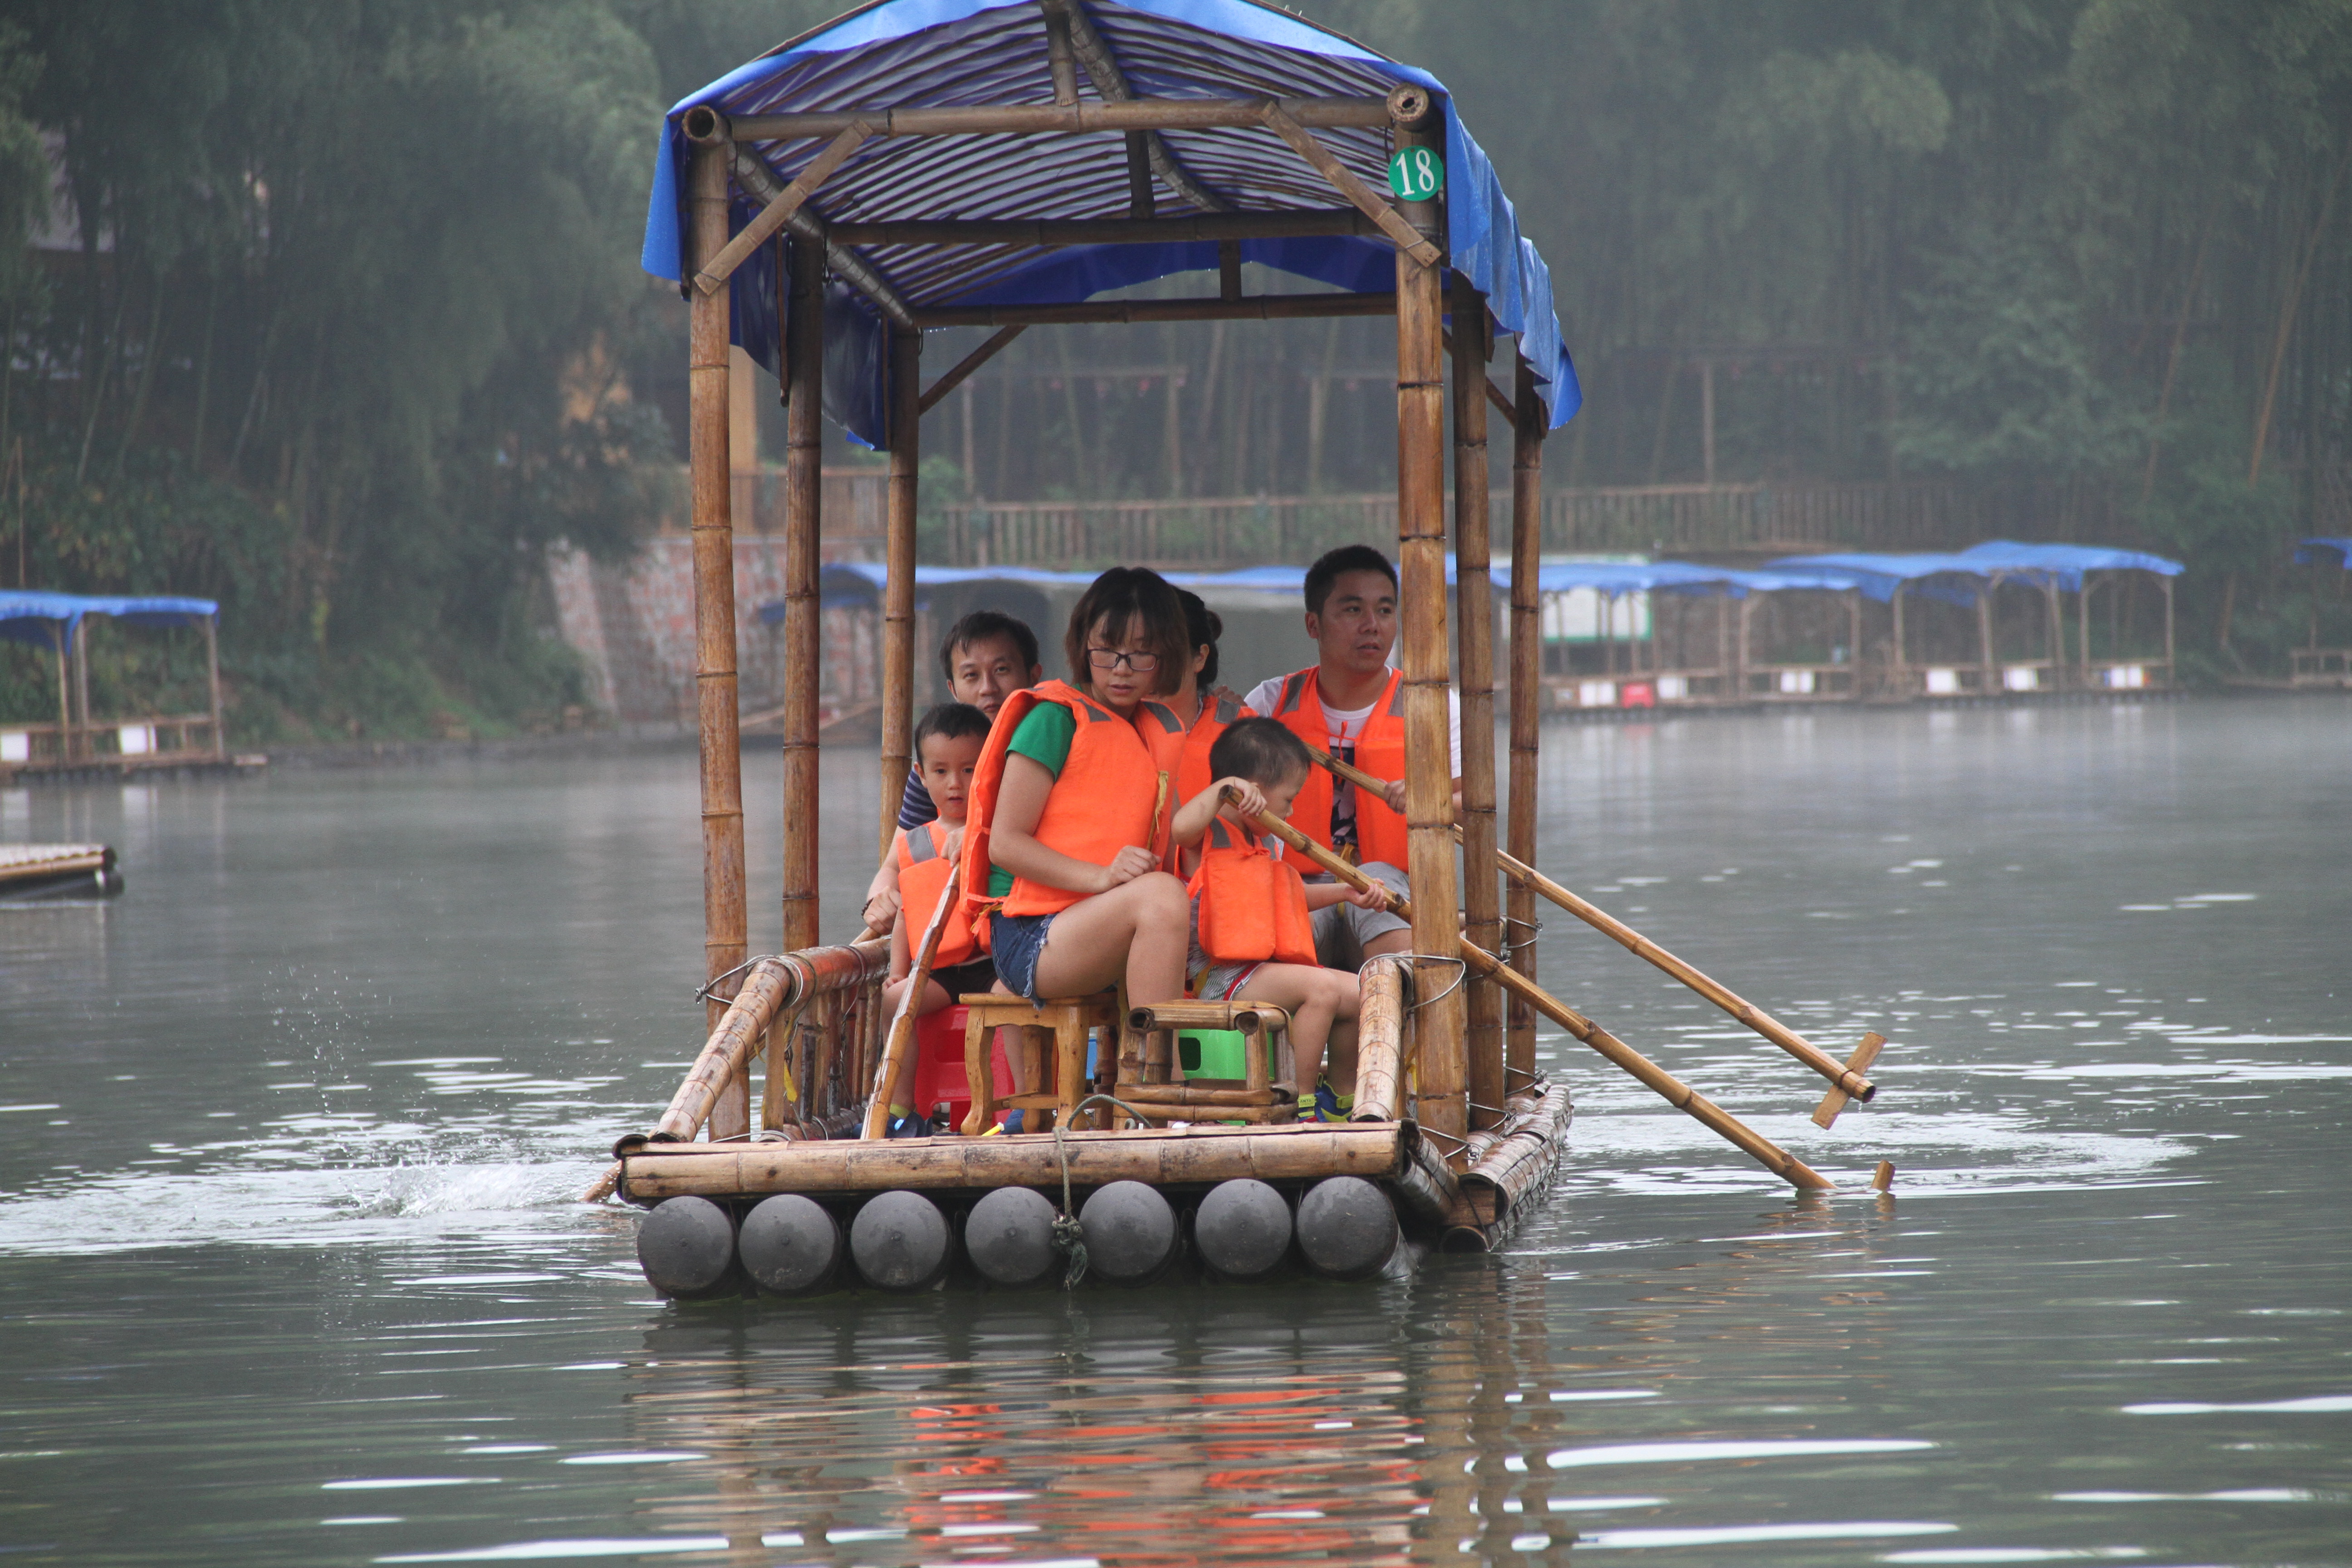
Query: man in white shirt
point(1347, 704)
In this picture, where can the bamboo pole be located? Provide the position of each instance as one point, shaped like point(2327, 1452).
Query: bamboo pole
point(1048, 234)
point(803, 501)
point(61, 635)
point(1475, 603)
point(753, 174)
point(1379, 1041)
point(779, 211)
point(723, 931)
point(766, 987)
point(87, 730)
point(212, 680)
point(1409, 238)
point(956, 376)
point(1670, 1088)
point(1527, 693)
point(1258, 308)
point(902, 1022)
point(1844, 1078)
point(898, 584)
point(1110, 84)
point(1420, 558)
point(1078, 119)
point(1158, 1157)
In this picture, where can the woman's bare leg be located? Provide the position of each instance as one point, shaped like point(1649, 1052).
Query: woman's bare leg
point(1137, 931)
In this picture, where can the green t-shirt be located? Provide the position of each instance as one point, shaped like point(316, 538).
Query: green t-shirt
point(1044, 737)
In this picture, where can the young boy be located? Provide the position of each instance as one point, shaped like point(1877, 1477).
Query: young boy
point(986, 658)
point(1250, 933)
point(946, 749)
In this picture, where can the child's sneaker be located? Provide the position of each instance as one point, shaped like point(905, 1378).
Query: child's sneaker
point(1013, 1120)
point(1327, 1104)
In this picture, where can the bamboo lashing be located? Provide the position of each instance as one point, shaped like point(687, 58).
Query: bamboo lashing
point(1347, 184)
point(1846, 1077)
point(902, 1023)
point(1665, 1084)
point(765, 987)
point(714, 273)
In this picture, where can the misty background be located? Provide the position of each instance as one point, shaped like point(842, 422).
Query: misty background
point(333, 312)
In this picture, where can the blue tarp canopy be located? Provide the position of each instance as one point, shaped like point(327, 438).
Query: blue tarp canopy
point(900, 54)
point(2064, 563)
point(2307, 552)
point(42, 619)
point(1636, 577)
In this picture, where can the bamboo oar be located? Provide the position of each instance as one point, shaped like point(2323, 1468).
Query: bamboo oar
point(1665, 1084)
point(1844, 1077)
point(902, 1023)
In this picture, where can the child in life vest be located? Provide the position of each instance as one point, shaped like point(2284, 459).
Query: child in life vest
point(946, 749)
point(1251, 937)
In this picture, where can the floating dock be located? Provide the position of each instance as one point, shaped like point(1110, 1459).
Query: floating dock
point(34, 871)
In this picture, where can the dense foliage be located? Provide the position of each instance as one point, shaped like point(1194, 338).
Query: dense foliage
point(332, 311)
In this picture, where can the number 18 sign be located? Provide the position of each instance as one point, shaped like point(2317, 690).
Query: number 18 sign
point(1416, 174)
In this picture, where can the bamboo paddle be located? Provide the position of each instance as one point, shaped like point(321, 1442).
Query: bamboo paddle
point(1845, 1078)
point(902, 1023)
point(1665, 1084)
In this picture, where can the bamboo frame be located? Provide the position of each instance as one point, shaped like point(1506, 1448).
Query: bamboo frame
point(901, 1040)
point(1474, 603)
point(961, 371)
point(715, 271)
point(754, 175)
point(1196, 1155)
point(1527, 695)
point(1380, 1040)
point(1420, 558)
point(1257, 307)
point(1078, 119)
point(723, 931)
point(804, 520)
point(1050, 233)
point(898, 583)
point(1111, 84)
point(1409, 239)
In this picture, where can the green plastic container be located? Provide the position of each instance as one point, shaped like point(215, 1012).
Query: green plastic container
point(1211, 1053)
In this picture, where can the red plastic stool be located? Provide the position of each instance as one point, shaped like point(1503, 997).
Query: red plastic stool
point(940, 1075)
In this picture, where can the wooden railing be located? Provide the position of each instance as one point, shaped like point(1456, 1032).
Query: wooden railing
point(169, 739)
point(1245, 530)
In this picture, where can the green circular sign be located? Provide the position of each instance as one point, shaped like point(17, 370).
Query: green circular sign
point(1416, 174)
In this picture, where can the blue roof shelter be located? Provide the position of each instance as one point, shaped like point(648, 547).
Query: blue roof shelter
point(55, 622)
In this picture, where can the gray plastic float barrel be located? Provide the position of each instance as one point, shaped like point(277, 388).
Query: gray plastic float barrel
point(899, 1241)
point(1009, 1236)
point(1243, 1229)
point(1130, 1233)
point(687, 1246)
point(1347, 1227)
point(789, 1244)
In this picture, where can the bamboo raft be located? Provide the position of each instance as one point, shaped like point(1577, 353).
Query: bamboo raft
point(1455, 1133)
point(30, 871)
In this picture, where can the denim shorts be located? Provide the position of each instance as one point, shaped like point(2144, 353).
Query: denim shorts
point(1015, 943)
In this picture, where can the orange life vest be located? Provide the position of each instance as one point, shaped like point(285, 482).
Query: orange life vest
point(1379, 751)
point(1193, 774)
point(923, 866)
point(1163, 736)
point(1253, 907)
point(1100, 804)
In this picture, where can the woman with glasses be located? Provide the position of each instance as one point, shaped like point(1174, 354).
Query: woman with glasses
point(1062, 850)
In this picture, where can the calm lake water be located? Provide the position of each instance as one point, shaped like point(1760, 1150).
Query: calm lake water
point(290, 1270)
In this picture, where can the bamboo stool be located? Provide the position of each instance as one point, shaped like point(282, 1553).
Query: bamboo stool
point(1264, 1032)
point(1069, 1020)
